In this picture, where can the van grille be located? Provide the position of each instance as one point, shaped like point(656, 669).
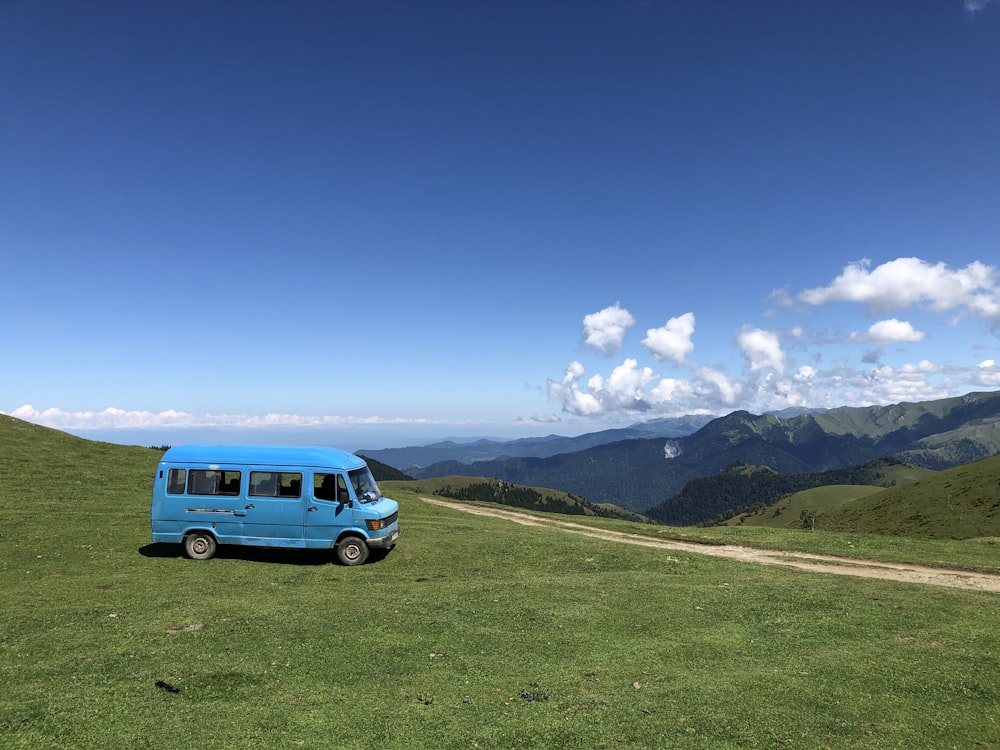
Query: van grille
point(376, 524)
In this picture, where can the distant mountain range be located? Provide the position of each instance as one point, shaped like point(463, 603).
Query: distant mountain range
point(642, 472)
point(407, 459)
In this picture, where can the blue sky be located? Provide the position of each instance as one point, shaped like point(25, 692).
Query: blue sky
point(379, 223)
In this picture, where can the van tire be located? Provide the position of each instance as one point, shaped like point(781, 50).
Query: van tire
point(200, 545)
point(352, 550)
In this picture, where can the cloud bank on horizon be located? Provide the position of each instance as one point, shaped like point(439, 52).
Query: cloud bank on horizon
point(113, 418)
point(786, 368)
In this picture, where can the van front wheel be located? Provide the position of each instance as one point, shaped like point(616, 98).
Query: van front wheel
point(352, 550)
point(200, 545)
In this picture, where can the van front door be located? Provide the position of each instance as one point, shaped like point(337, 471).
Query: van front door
point(274, 509)
point(329, 512)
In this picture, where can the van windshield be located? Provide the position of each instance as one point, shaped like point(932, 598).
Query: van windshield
point(365, 488)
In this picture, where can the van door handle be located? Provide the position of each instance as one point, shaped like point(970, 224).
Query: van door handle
point(249, 507)
point(311, 508)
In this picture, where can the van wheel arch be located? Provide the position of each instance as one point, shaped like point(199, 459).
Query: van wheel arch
point(351, 550)
point(200, 544)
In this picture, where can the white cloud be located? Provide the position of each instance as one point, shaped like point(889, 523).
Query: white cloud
point(728, 389)
point(762, 350)
point(673, 340)
point(890, 331)
point(781, 297)
point(631, 389)
point(912, 381)
point(988, 374)
point(622, 391)
point(541, 419)
point(605, 330)
point(901, 283)
point(796, 391)
point(974, 6)
point(627, 382)
point(671, 391)
point(569, 394)
point(574, 370)
point(114, 418)
point(708, 391)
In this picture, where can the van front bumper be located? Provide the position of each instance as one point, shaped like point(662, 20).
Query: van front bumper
point(382, 542)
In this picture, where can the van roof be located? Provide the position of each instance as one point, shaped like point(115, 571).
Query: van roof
point(270, 455)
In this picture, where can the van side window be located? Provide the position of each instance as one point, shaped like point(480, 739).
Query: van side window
point(330, 487)
point(175, 481)
point(275, 484)
point(290, 485)
point(325, 486)
point(213, 482)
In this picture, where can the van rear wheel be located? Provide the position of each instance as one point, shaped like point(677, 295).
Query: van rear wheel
point(200, 545)
point(352, 550)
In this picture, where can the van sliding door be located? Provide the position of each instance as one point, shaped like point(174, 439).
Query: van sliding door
point(274, 509)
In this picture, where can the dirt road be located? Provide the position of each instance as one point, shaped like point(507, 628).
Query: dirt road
point(801, 560)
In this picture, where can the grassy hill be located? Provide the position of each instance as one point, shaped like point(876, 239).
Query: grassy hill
point(473, 632)
point(958, 503)
point(751, 490)
point(801, 510)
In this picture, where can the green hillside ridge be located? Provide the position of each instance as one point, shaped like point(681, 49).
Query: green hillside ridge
point(958, 503)
point(969, 442)
point(383, 472)
point(801, 510)
point(54, 470)
point(473, 632)
point(938, 416)
point(487, 490)
point(744, 488)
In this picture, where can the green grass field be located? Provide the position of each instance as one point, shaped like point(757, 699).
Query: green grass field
point(441, 643)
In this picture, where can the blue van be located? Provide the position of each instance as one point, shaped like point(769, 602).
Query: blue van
point(270, 496)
